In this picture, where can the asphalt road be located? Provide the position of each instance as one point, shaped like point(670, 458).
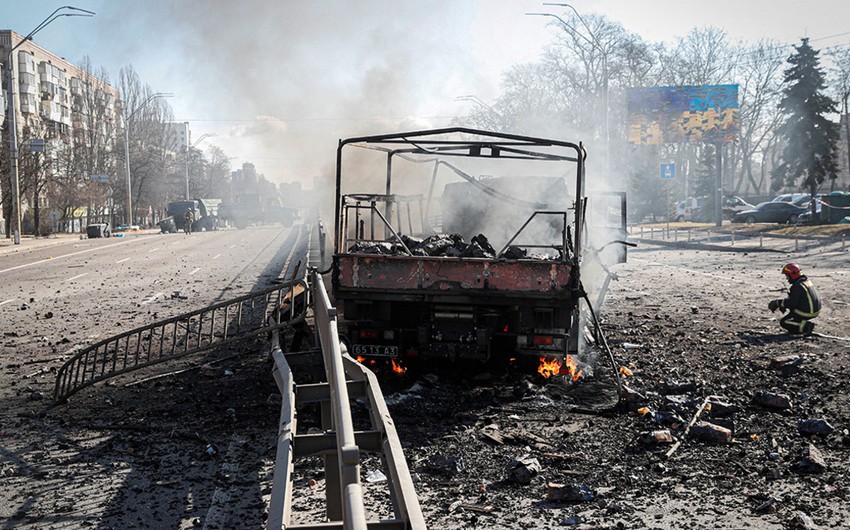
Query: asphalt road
point(67, 466)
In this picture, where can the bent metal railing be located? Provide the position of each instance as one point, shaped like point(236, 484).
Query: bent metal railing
point(249, 315)
point(339, 443)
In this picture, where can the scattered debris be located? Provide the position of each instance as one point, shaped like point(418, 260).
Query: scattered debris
point(655, 438)
point(817, 427)
point(449, 465)
point(802, 521)
point(811, 461)
point(209, 370)
point(771, 400)
point(522, 470)
point(568, 493)
point(375, 476)
point(709, 432)
point(787, 364)
point(677, 387)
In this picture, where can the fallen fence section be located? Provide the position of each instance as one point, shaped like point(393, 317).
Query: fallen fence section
point(225, 322)
point(339, 443)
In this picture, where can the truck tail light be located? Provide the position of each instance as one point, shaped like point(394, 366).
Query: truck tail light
point(368, 333)
point(542, 340)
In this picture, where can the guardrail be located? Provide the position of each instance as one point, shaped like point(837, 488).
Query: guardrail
point(203, 329)
point(340, 443)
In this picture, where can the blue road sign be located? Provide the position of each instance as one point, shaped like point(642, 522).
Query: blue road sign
point(668, 171)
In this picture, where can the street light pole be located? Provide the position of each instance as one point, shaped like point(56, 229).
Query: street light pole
point(13, 128)
point(128, 215)
point(596, 44)
point(188, 153)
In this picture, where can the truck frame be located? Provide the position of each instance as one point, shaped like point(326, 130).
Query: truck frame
point(397, 303)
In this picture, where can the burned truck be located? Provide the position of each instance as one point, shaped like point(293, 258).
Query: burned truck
point(460, 244)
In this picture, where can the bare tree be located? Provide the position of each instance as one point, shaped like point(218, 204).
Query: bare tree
point(147, 131)
point(90, 149)
point(218, 173)
point(840, 74)
point(759, 73)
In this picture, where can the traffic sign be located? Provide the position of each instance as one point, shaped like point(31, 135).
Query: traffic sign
point(103, 179)
point(668, 171)
point(36, 145)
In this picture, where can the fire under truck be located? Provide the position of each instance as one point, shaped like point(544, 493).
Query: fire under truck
point(463, 244)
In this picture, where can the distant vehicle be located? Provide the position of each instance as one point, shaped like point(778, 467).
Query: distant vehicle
point(698, 208)
point(732, 204)
point(690, 209)
point(792, 198)
point(806, 217)
point(254, 208)
point(770, 212)
point(205, 213)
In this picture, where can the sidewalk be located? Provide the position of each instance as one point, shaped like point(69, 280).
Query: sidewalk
point(30, 243)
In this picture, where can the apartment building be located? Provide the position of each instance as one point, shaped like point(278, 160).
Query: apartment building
point(53, 98)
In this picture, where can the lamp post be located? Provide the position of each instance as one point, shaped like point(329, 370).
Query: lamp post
point(128, 215)
point(13, 128)
point(596, 44)
point(188, 154)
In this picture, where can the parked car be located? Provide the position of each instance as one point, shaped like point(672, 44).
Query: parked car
point(732, 204)
point(806, 217)
point(770, 212)
point(792, 198)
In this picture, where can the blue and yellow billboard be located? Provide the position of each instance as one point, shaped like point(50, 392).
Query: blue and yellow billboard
point(673, 114)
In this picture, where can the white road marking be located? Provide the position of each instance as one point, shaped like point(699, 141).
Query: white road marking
point(152, 298)
point(194, 271)
point(153, 250)
point(7, 301)
point(217, 514)
point(68, 255)
point(122, 260)
point(75, 277)
point(216, 256)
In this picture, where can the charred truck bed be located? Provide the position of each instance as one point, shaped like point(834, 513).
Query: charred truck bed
point(471, 260)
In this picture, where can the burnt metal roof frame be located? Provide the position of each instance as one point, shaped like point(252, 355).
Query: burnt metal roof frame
point(421, 137)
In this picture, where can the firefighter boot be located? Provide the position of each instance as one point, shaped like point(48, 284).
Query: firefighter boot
point(808, 327)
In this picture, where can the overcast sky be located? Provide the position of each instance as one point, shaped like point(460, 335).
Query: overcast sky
point(278, 82)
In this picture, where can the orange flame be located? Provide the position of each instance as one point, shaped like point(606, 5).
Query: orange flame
point(571, 367)
point(550, 367)
point(360, 359)
point(398, 368)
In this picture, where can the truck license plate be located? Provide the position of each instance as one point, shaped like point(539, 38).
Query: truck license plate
point(375, 351)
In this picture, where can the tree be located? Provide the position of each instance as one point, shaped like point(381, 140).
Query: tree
point(841, 74)
point(150, 160)
point(758, 71)
point(705, 180)
point(810, 151)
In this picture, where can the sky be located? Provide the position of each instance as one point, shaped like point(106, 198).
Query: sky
point(278, 82)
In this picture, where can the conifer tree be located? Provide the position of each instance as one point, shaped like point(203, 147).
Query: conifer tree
point(811, 151)
point(705, 181)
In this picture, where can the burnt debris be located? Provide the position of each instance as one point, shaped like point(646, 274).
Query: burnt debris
point(442, 245)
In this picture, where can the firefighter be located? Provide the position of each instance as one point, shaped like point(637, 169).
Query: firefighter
point(802, 303)
point(187, 223)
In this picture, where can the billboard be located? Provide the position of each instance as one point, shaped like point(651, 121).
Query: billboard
point(673, 114)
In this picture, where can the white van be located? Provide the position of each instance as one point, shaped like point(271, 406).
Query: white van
point(689, 209)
